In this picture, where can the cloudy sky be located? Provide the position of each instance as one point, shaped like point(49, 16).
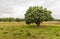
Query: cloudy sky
point(17, 8)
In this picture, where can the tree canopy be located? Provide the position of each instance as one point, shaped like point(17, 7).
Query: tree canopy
point(37, 15)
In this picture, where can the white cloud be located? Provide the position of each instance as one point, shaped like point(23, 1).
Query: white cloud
point(17, 8)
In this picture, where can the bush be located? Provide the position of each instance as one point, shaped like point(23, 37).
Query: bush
point(28, 34)
point(5, 32)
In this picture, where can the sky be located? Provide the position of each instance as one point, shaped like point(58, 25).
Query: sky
point(17, 8)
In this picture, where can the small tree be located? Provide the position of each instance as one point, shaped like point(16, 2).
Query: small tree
point(37, 15)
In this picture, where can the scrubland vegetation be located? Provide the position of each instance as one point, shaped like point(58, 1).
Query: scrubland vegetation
point(20, 30)
point(37, 24)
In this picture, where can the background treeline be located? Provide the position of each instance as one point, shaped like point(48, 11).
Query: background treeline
point(11, 19)
point(56, 20)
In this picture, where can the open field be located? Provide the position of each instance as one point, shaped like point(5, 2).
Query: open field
point(20, 30)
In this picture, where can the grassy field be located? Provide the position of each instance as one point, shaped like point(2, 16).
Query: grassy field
point(20, 30)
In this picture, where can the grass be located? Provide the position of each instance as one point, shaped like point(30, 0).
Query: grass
point(20, 30)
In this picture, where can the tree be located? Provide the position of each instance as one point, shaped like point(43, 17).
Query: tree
point(4, 19)
point(17, 19)
point(37, 15)
point(11, 19)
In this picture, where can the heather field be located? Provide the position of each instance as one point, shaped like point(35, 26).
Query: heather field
point(20, 30)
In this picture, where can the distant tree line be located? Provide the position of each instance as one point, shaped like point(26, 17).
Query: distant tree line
point(56, 20)
point(11, 19)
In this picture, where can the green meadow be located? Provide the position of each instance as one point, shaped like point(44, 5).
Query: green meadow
point(20, 30)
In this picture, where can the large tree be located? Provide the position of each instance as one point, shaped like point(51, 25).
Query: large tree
point(37, 15)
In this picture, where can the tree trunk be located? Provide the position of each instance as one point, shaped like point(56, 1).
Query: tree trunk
point(38, 24)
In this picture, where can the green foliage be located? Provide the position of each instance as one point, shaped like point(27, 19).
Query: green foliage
point(37, 15)
point(10, 19)
point(5, 33)
point(56, 20)
point(18, 19)
point(28, 34)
